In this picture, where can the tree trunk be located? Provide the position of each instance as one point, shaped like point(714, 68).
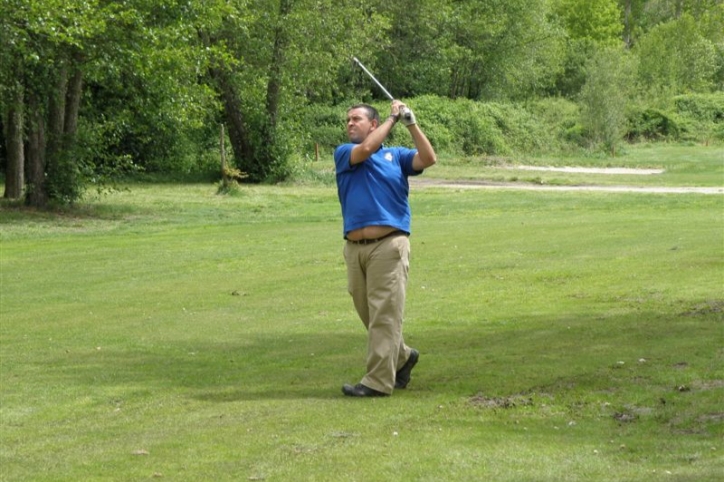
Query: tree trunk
point(56, 114)
point(72, 107)
point(15, 172)
point(55, 132)
point(63, 180)
point(37, 194)
point(238, 132)
point(275, 69)
point(627, 24)
point(241, 146)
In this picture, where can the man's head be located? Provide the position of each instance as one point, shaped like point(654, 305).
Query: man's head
point(361, 120)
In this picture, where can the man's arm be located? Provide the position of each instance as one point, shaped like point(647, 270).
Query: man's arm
point(425, 156)
point(362, 151)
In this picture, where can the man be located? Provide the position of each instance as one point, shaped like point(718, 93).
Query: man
point(373, 192)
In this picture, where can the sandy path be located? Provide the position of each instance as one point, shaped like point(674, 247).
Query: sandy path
point(591, 170)
point(421, 182)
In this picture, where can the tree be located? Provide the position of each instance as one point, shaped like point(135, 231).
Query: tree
point(52, 49)
point(475, 49)
point(43, 42)
point(589, 26)
point(43, 46)
point(675, 58)
point(269, 57)
point(640, 16)
point(605, 95)
point(412, 60)
point(595, 20)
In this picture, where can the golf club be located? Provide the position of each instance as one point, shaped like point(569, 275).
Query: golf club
point(405, 111)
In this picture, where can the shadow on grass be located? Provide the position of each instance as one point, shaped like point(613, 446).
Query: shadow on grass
point(572, 356)
point(267, 367)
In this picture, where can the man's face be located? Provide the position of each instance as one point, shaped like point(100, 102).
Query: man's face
point(359, 125)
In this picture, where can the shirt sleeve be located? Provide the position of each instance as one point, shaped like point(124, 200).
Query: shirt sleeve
point(406, 156)
point(342, 157)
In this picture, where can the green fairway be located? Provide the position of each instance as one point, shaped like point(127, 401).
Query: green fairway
point(681, 166)
point(165, 332)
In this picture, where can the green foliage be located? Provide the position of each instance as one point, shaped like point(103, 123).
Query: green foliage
point(320, 125)
point(702, 107)
point(149, 101)
point(502, 50)
point(272, 156)
point(594, 20)
point(463, 127)
point(571, 80)
point(458, 126)
point(653, 124)
point(675, 58)
point(705, 113)
point(692, 117)
point(605, 96)
point(589, 26)
point(559, 120)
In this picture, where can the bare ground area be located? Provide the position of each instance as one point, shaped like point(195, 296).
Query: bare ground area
point(480, 184)
point(592, 170)
point(421, 182)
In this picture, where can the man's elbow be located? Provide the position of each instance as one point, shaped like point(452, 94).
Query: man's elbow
point(429, 160)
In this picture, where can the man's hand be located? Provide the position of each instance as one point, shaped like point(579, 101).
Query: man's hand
point(407, 117)
point(400, 112)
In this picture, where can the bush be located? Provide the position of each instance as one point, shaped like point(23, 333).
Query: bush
point(322, 125)
point(707, 108)
point(463, 127)
point(652, 124)
point(459, 126)
point(559, 121)
point(454, 126)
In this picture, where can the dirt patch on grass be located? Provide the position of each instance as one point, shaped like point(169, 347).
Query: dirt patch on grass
point(707, 384)
point(592, 170)
point(711, 418)
point(514, 401)
point(421, 182)
point(713, 307)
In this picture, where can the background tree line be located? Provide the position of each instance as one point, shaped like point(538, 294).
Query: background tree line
point(93, 89)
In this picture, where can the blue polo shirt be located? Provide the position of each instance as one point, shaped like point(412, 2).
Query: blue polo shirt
point(375, 192)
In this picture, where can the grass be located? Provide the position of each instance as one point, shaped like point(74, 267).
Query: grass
point(684, 166)
point(165, 332)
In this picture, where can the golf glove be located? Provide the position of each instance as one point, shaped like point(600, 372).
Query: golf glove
point(407, 117)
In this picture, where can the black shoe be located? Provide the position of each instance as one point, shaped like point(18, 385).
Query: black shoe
point(360, 390)
point(402, 378)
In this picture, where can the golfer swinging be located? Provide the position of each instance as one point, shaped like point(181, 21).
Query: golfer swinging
point(373, 192)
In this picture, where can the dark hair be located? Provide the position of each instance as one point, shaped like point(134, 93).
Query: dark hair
point(372, 113)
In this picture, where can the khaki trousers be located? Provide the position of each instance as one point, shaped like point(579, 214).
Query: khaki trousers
point(377, 280)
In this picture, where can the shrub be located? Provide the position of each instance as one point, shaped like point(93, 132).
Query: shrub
point(704, 114)
point(701, 107)
point(322, 125)
point(459, 126)
point(652, 124)
point(463, 127)
point(605, 95)
point(559, 123)
point(454, 126)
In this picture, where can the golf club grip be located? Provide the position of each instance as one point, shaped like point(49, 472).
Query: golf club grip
point(406, 113)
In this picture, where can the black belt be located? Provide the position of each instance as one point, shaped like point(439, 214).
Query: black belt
point(372, 241)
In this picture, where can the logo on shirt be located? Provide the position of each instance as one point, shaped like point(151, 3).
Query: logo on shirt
point(388, 157)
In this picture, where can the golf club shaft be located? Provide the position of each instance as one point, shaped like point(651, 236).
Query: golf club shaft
point(382, 87)
point(405, 111)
